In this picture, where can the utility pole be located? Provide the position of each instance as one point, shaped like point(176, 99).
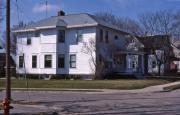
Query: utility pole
point(6, 102)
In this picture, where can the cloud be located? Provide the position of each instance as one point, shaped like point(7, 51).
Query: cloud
point(39, 8)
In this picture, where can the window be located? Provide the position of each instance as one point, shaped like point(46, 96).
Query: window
point(79, 36)
point(116, 37)
point(21, 61)
point(154, 64)
point(34, 61)
point(101, 35)
point(72, 61)
point(48, 61)
point(29, 39)
point(61, 36)
point(61, 60)
point(37, 34)
point(107, 37)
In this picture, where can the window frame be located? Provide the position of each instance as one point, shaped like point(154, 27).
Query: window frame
point(72, 61)
point(46, 61)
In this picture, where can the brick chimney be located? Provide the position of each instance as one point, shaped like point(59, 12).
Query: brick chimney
point(61, 13)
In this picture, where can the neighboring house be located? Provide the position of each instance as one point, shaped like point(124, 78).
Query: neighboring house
point(55, 46)
point(158, 54)
point(175, 64)
point(3, 63)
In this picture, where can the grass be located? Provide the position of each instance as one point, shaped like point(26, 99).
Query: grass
point(81, 84)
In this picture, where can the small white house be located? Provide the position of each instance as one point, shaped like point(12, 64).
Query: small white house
point(56, 46)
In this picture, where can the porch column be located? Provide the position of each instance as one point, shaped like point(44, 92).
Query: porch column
point(142, 63)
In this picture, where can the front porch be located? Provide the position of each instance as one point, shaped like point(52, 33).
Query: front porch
point(129, 63)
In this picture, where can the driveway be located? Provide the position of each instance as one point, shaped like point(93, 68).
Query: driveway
point(95, 103)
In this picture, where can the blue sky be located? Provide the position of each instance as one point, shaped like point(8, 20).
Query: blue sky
point(33, 10)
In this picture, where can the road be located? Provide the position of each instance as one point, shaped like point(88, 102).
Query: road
point(95, 103)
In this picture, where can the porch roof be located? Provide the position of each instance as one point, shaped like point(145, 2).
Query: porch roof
point(129, 52)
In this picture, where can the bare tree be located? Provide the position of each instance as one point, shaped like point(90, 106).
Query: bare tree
point(97, 65)
point(158, 23)
point(2, 7)
point(124, 23)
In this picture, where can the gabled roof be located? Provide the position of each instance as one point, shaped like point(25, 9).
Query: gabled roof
point(157, 41)
point(67, 21)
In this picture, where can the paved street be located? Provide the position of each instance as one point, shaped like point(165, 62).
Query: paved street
point(96, 103)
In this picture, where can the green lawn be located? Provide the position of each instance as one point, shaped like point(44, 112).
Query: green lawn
point(81, 84)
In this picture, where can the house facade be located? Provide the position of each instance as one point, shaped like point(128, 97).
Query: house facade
point(158, 54)
point(59, 45)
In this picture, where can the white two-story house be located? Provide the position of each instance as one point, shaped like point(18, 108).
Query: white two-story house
point(56, 46)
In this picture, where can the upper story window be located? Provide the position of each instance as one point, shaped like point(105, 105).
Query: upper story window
point(61, 36)
point(34, 61)
point(107, 37)
point(29, 39)
point(101, 35)
point(116, 37)
point(37, 34)
point(79, 36)
point(21, 61)
point(48, 61)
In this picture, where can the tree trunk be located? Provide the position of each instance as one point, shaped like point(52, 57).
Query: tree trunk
point(159, 69)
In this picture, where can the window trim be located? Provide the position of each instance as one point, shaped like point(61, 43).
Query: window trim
point(70, 61)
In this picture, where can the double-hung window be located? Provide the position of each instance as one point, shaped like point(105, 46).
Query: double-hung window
point(73, 61)
point(101, 35)
point(48, 61)
point(21, 61)
point(61, 60)
point(34, 61)
point(79, 36)
point(61, 36)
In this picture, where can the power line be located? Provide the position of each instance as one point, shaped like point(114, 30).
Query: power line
point(21, 10)
point(17, 10)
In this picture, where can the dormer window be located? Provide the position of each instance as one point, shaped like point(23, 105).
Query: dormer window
point(61, 36)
